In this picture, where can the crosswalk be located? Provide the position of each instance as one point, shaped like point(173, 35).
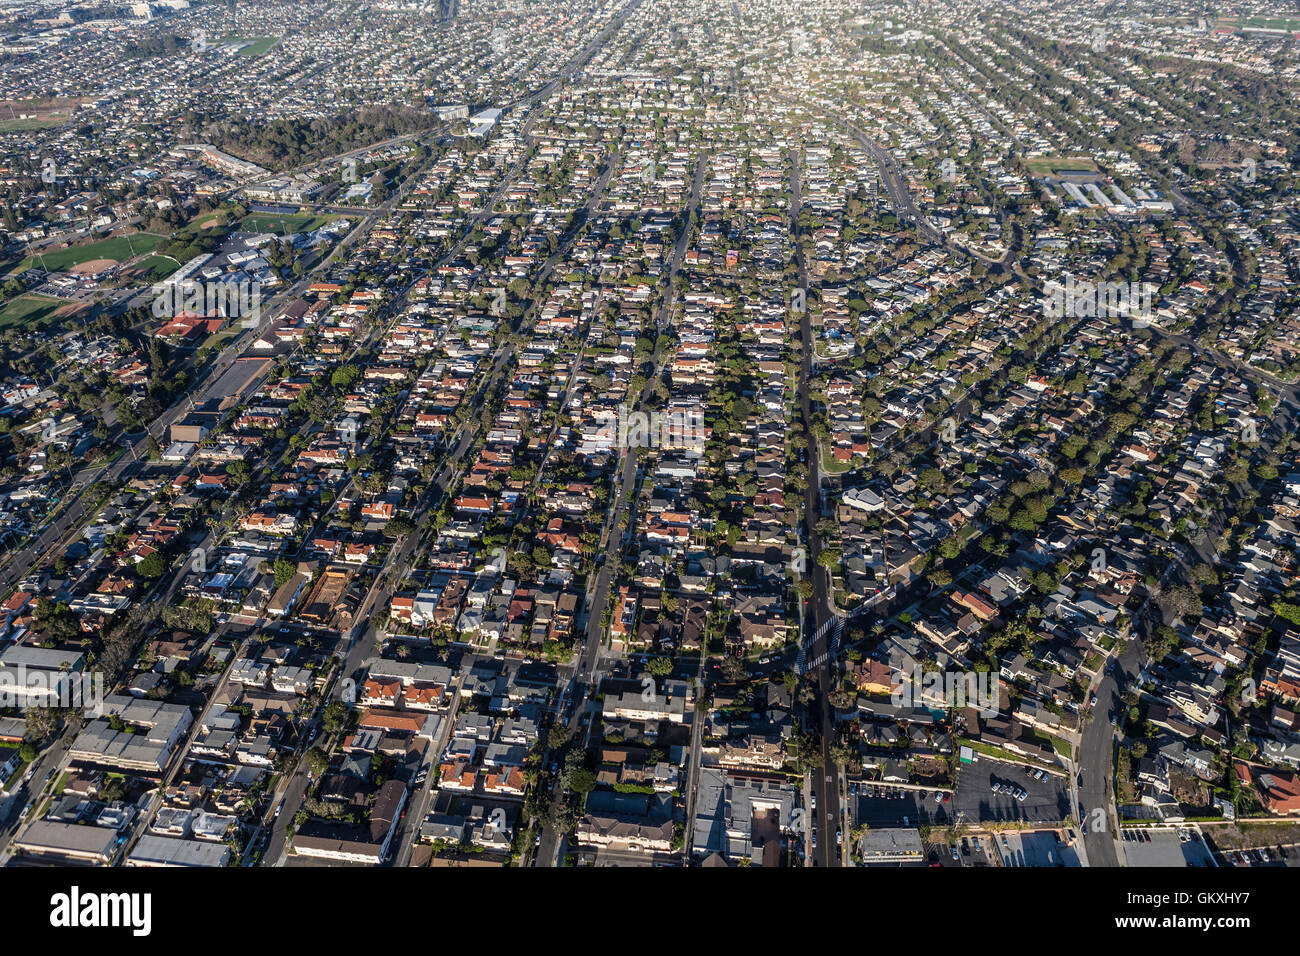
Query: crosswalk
point(801, 662)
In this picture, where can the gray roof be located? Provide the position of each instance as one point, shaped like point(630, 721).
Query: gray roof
point(154, 850)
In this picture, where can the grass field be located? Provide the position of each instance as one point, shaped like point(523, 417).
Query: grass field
point(28, 309)
point(1263, 23)
point(283, 225)
point(119, 248)
point(256, 45)
point(1046, 165)
point(27, 125)
point(160, 266)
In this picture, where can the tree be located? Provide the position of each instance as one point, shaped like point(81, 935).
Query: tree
point(660, 667)
point(940, 578)
point(829, 558)
point(398, 527)
point(582, 780)
point(317, 761)
point(284, 569)
point(152, 567)
point(336, 715)
point(1287, 611)
point(733, 669)
point(40, 723)
point(1184, 601)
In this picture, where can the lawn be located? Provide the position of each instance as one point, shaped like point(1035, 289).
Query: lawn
point(119, 248)
point(28, 309)
point(282, 225)
point(1264, 23)
point(833, 467)
point(1047, 165)
point(160, 267)
point(256, 45)
point(31, 123)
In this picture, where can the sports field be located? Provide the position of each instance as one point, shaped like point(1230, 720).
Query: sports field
point(160, 267)
point(1049, 165)
point(119, 249)
point(1290, 24)
point(282, 225)
point(30, 123)
point(256, 45)
point(28, 309)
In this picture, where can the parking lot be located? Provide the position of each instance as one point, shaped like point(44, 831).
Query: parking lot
point(883, 805)
point(1038, 848)
point(1276, 855)
point(940, 854)
point(1164, 846)
point(1048, 801)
